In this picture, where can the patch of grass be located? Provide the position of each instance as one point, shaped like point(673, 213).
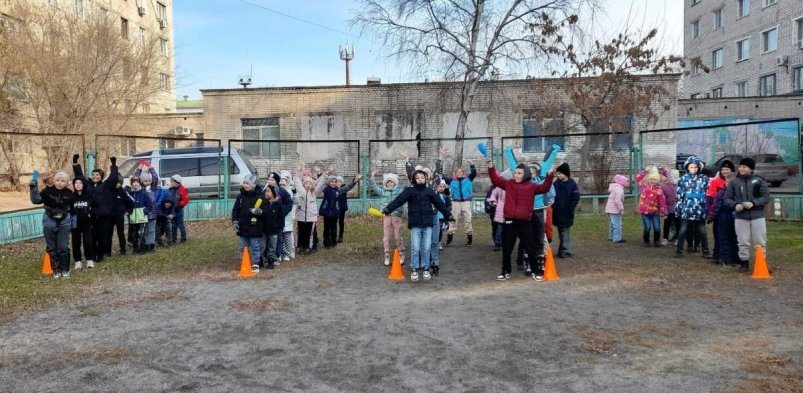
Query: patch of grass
point(262, 305)
point(599, 342)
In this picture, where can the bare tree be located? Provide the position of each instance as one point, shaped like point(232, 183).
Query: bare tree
point(465, 41)
point(79, 73)
point(604, 89)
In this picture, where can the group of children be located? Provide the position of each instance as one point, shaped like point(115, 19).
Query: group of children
point(732, 202)
point(92, 208)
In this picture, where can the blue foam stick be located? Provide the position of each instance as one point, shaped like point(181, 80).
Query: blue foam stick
point(484, 150)
point(35, 176)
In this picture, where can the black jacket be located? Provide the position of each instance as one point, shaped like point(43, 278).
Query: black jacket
point(419, 199)
point(251, 225)
point(82, 207)
point(102, 192)
point(121, 202)
point(274, 217)
point(750, 188)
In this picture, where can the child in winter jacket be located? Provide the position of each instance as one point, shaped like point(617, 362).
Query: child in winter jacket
point(81, 215)
point(150, 182)
point(721, 217)
point(330, 209)
point(444, 193)
point(419, 199)
point(690, 204)
point(273, 224)
point(58, 201)
point(180, 195)
point(497, 200)
point(140, 205)
point(567, 196)
point(307, 211)
point(651, 204)
point(165, 215)
point(615, 207)
point(747, 194)
point(669, 186)
point(391, 223)
point(247, 218)
point(461, 189)
point(343, 204)
point(121, 205)
point(288, 243)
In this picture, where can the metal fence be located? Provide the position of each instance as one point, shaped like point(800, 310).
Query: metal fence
point(774, 144)
point(22, 152)
point(594, 158)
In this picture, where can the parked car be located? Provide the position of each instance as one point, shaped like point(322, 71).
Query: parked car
point(769, 166)
point(199, 168)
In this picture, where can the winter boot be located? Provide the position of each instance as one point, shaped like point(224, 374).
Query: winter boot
point(449, 238)
point(470, 238)
point(387, 259)
point(656, 239)
point(646, 238)
point(401, 257)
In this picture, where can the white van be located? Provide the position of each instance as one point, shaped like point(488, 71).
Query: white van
point(199, 168)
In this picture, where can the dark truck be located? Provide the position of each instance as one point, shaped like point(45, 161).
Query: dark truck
point(769, 166)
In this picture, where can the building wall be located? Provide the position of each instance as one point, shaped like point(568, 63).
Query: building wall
point(778, 107)
point(734, 28)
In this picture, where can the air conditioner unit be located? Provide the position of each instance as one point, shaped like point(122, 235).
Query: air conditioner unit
point(162, 24)
point(183, 131)
point(782, 60)
point(141, 10)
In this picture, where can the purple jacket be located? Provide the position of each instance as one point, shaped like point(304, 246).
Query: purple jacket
point(670, 192)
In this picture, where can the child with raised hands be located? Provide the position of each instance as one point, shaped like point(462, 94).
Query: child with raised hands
point(57, 200)
point(391, 223)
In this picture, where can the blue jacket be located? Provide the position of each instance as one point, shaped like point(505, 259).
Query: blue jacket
point(462, 188)
point(139, 199)
point(690, 203)
point(541, 200)
point(343, 201)
point(387, 194)
point(419, 199)
point(567, 196)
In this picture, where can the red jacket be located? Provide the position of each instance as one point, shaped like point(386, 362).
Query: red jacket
point(519, 197)
point(181, 196)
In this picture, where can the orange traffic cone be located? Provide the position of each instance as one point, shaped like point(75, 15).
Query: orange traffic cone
point(47, 269)
point(550, 273)
point(245, 265)
point(760, 269)
point(396, 273)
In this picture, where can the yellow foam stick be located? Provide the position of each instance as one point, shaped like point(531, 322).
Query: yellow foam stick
point(258, 204)
point(374, 212)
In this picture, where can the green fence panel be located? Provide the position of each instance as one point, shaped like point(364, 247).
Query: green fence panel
point(20, 225)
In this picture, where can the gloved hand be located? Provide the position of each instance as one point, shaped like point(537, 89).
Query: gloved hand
point(34, 178)
point(113, 160)
point(385, 212)
point(75, 158)
point(748, 205)
point(256, 211)
point(236, 226)
point(450, 218)
point(739, 207)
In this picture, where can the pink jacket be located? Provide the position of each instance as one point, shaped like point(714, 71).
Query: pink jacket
point(498, 196)
point(616, 195)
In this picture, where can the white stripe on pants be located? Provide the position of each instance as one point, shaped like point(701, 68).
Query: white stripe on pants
point(750, 232)
point(461, 210)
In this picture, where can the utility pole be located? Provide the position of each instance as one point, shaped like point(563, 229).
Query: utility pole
point(347, 54)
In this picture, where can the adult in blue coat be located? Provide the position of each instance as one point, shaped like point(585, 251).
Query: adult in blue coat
point(567, 196)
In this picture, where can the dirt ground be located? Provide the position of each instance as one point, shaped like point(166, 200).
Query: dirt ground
point(12, 201)
point(621, 319)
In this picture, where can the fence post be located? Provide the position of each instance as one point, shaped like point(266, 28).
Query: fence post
point(366, 174)
point(496, 158)
point(90, 161)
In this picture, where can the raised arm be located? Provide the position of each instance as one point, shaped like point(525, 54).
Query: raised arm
point(497, 180)
point(549, 161)
point(36, 197)
point(511, 159)
point(472, 171)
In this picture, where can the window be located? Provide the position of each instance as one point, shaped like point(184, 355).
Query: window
point(766, 85)
point(163, 48)
point(79, 8)
point(164, 81)
point(124, 27)
point(695, 29)
point(718, 19)
point(621, 127)
point(161, 11)
point(768, 3)
point(167, 143)
point(127, 68)
point(695, 96)
point(716, 92)
point(146, 108)
point(695, 2)
point(744, 8)
point(262, 129)
point(54, 3)
point(797, 79)
point(178, 166)
point(743, 49)
point(104, 13)
point(769, 39)
point(716, 58)
point(142, 36)
point(143, 76)
point(696, 69)
point(542, 133)
point(128, 146)
point(741, 89)
point(799, 30)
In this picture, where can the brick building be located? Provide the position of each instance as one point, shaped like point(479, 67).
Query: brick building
point(752, 47)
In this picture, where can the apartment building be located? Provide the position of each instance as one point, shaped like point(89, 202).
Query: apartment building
point(750, 48)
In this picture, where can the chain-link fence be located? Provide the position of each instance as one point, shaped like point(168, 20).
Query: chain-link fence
point(197, 161)
point(22, 152)
point(593, 158)
point(773, 144)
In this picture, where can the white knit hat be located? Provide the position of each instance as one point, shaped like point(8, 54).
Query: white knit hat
point(176, 178)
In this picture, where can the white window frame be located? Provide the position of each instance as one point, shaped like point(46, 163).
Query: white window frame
point(765, 41)
point(696, 69)
point(798, 24)
point(161, 11)
point(741, 89)
point(742, 55)
point(270, 129)
point(743, 8)
point(695, 96)
point(142, 36)
point(164, 48)
point(719, 19)
point(717, 58)
point(797, 79)
point(761, 85)
point(716, 92)
point(79, 8)
point(768, 3)
point(695, 28)
point(164, 81)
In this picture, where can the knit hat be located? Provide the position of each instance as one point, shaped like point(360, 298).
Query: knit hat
point(535, 167)
point(284, 175)
point(307, 179)
point(620, 180)
point(564, 169)
point(339, 179)
point(275, 176)
point(419, 168)
point(442, 183)
point(250, 179)
point(727, 164)
point(176, 178)
point(748, 162)
point(390, 177)
point(146, 177)
point(61, 175)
